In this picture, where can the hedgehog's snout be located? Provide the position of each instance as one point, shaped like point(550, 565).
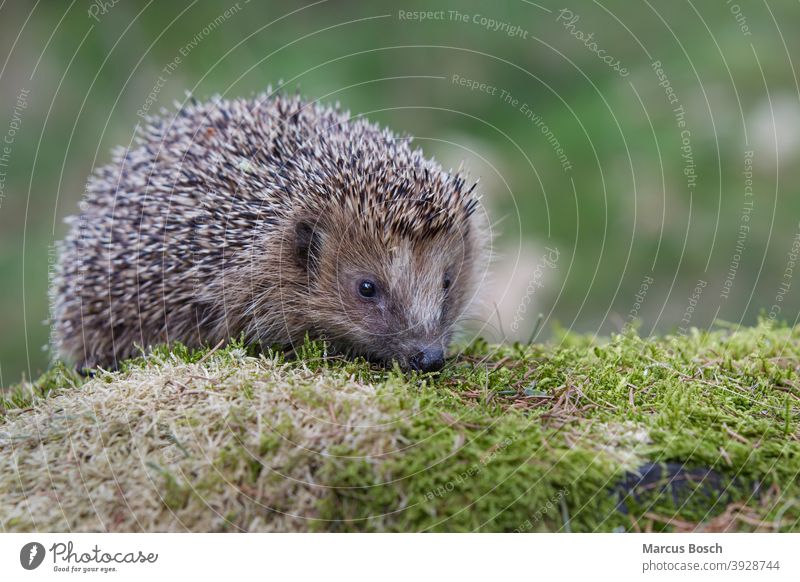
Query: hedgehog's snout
point(428, 359)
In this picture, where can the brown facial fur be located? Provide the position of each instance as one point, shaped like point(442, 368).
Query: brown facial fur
point(411, 309)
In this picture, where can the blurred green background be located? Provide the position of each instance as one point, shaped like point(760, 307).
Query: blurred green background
point(637, 211)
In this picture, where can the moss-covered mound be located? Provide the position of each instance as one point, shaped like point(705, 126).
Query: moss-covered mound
point(695, 432)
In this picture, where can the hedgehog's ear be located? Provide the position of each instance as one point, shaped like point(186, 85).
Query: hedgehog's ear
point(307, 245)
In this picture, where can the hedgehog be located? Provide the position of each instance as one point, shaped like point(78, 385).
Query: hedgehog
point(272, 219)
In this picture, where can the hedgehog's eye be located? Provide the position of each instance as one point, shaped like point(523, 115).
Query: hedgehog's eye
point(367, 288)
point(446, 283)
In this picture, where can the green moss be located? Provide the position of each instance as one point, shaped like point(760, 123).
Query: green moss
point(483, 455)
point(623, 433)
point(25, 394)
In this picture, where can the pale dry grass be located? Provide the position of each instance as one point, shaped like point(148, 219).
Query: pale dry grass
point(175, 446)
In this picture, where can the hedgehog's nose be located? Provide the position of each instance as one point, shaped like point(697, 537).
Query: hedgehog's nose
point(431, 359)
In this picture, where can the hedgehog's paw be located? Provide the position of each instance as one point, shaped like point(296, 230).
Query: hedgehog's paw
point(86, 369)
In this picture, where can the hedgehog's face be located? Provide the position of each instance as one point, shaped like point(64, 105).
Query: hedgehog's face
point(388, 301)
